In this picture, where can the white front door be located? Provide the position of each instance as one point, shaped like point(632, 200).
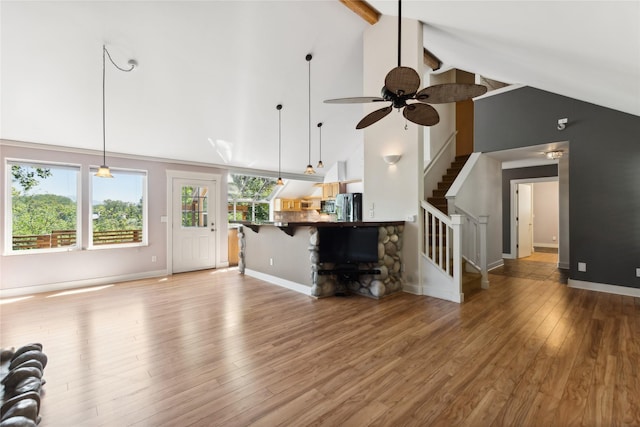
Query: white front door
point(193, 224)
point(525, 220)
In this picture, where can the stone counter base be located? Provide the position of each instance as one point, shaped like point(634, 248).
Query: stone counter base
point(374, 286)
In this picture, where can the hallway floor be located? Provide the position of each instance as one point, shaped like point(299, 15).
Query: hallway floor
point(537, 266)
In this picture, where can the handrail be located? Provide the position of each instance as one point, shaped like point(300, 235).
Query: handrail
point(479, 243)
point(440, 152)
point(436, 212)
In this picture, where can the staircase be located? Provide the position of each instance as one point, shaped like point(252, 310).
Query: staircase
point(438, 198)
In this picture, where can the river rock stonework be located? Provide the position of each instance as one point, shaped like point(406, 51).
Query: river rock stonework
point(371, 285)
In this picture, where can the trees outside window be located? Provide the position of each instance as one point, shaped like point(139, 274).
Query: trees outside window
point(44, 204)
point(249, 197)
point(118, 209)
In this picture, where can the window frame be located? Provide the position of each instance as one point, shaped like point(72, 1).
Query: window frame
point(8, 206)
point(145, 208)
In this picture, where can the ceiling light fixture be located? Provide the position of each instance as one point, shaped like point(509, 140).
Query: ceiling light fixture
point(320, 164)
point(103, 171)
point(554, 155)
point(279, 108)
point(309, 170)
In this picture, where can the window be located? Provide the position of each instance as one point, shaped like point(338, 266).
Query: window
point(249, 197)
point(118, 209)
point(44, 207)
point(194, 206)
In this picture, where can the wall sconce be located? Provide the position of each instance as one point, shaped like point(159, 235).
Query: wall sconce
point(562, 123)
point(554, 155)
point(392, 159)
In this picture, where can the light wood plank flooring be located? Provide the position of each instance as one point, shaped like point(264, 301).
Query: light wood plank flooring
point(215, 348)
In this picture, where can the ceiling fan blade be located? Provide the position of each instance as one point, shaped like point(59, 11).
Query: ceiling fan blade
point(450, 92)
point(402, 81)
point(371, 118)
point(422, 114)
point(354, 100)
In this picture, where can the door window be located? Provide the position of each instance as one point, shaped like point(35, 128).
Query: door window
point(194, 206)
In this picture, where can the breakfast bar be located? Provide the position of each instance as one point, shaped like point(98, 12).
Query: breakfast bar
point(323, 259)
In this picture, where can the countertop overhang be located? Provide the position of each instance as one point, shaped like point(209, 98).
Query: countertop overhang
point(290, 227)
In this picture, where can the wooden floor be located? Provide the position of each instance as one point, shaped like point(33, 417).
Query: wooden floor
point(215, 348)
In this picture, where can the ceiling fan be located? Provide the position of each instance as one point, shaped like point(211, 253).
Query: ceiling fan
point(401, 85)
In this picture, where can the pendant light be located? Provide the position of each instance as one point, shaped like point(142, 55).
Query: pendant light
point(103, 171)
point(309, 170)
point(320, 164)
point(279, 108)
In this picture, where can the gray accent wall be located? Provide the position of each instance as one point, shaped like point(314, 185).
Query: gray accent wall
point(507, 176)
point(604, 173)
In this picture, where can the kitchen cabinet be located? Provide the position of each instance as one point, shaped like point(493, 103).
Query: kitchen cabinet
point(330, 190)
point(311, 204)
point(288, 205)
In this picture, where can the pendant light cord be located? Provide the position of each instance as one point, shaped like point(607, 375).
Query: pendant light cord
point(279, 107)
point(399, 28)
point(309, 61)
point(105, 53)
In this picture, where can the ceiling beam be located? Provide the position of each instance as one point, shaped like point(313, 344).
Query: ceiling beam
point(363, 10)
point(430, 60)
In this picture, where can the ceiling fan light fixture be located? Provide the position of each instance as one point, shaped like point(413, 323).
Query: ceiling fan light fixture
point(401, 85)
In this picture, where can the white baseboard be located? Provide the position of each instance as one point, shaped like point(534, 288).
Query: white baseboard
point(294, 286)
point(508, 256)
point(411, 288)
point(546, 245)
point(563, 265)
point(63, 286)
point(603, 287)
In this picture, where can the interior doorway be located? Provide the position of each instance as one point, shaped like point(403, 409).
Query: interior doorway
point(535, 216)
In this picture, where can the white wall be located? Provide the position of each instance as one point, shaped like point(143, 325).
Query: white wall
point(545, 214)
point(391, 193)
point(38, 272)
point(479, 196)
point(439, 134)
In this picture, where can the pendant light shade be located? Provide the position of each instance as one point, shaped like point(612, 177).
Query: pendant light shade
point(103, 171)
point(309, 170)
point(320, 164)
point(279, 108)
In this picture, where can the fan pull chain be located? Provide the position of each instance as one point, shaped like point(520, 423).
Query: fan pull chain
point(406, 124)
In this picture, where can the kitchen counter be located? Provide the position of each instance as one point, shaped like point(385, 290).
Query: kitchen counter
point(292, 259)
point(290, 227)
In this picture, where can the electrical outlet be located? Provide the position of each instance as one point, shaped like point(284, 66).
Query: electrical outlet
point(637, 272)
point(153, 258)
point(554, 238)
point(582, 266)
point(270, 261)
point(370, 213)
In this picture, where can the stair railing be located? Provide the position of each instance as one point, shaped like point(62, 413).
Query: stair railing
point(441, 245)
point(474, 242)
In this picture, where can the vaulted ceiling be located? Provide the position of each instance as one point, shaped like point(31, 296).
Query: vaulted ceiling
point(212, 72)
